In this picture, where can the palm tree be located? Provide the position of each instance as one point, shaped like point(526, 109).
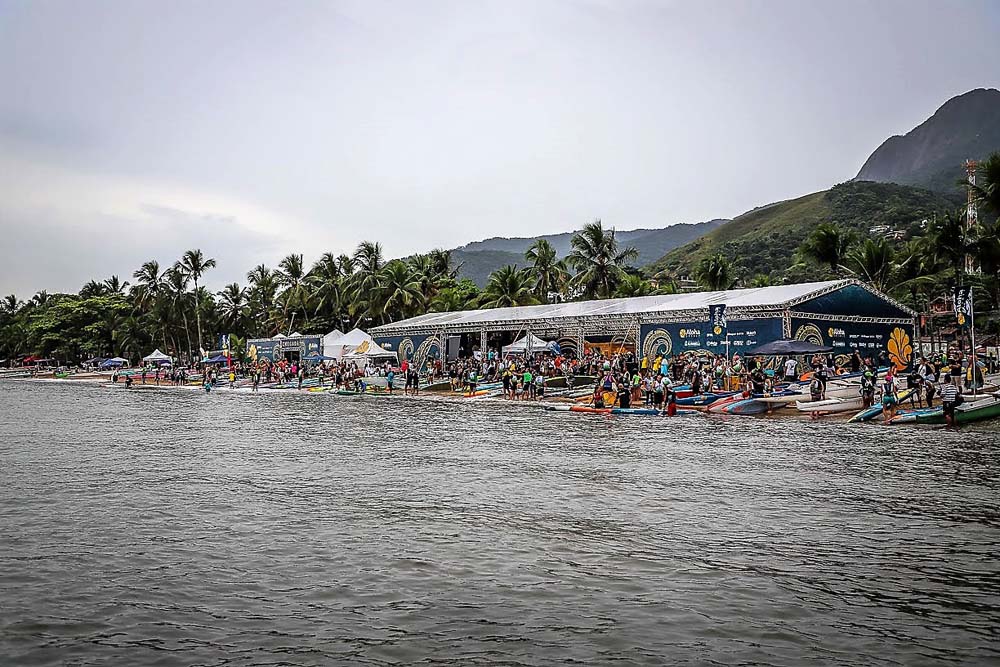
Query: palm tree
point(233, 302)
point(441, 260)
point(40, 298)
point(872, 261)
point(115, 286)
point(548, 271)
point(633, 285)
point(760, 280)
point(149, 284)
point(177, 297)
point(93, 288)
point(10, 304)
point(195, 264)
point(508, 286)
point(598, 260)
point(426, 273)
point(827, 244)
point(292, 275)
point(949, 244)
point(400, 289)
point(346, 265)
point(326, 282)
point(368, 263)
point(715, 273)
point(263, 291)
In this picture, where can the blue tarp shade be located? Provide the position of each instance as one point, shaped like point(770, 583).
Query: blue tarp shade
point(112, 363)
point(790, 347)
point(217, 359)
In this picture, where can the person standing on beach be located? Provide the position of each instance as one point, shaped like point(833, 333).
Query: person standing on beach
point(791, 370)
point(890, 399)
point(951, 397)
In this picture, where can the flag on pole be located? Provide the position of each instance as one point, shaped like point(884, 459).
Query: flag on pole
point(717, 318)
point(963, 306)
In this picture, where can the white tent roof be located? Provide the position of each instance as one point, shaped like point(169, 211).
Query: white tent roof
point(777, 296)
point(354, 337)
point(370, 350)
point(156, 355)
point(531, 341)
point(280, 336)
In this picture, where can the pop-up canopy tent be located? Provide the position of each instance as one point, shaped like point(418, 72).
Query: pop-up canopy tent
point(327, 344)
point(347, 343)
point(369, 350)
point(217, 359)
point(533, 343)
point(157, 357)
point(779, 347)
point(114, 362)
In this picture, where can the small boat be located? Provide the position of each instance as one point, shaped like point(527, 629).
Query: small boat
point(704, 399)
point(874, 411)
point(830, 405)
point(912, 416)
point(560, 381)
point(440, 385)
point(987, 407)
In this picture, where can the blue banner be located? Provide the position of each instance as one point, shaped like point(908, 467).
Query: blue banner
point(717, 319)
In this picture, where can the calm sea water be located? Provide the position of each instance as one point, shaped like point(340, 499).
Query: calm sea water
point(178, 528)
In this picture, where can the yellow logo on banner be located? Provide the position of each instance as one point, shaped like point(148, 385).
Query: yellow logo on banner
point(900, 349)
point(717, 330)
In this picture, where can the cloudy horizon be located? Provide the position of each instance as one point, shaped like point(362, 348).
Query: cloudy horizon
point(132, 131)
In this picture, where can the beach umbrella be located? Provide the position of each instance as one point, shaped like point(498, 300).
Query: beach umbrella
point(778, 347)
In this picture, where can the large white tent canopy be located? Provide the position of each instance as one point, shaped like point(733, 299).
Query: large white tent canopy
point(531, 344)
point(346, 343)
point(691, 305)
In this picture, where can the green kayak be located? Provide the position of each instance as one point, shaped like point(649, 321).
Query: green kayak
point(987, 407)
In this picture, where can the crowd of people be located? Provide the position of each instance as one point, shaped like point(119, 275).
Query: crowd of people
point(617, 379)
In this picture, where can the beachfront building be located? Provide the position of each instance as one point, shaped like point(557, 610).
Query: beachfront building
point(291, 348)
point(843, 314)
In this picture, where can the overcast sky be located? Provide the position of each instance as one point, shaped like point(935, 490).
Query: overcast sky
point(132, 130)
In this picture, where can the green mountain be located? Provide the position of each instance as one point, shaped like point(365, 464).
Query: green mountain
point(764, 240)
point(480, 258)
point(931, 155)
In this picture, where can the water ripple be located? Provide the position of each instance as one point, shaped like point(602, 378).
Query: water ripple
point(168, 527)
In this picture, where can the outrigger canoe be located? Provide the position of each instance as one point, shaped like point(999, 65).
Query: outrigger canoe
point(651, 412)
point(874, 411)
point(830, 405)
point(966, 413)
point(559, 381)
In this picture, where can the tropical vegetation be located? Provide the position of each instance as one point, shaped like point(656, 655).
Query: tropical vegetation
point(919, 254)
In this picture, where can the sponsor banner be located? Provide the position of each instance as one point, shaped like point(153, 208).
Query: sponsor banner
point(677, 338)
point(717, 319)
point(963, 306)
